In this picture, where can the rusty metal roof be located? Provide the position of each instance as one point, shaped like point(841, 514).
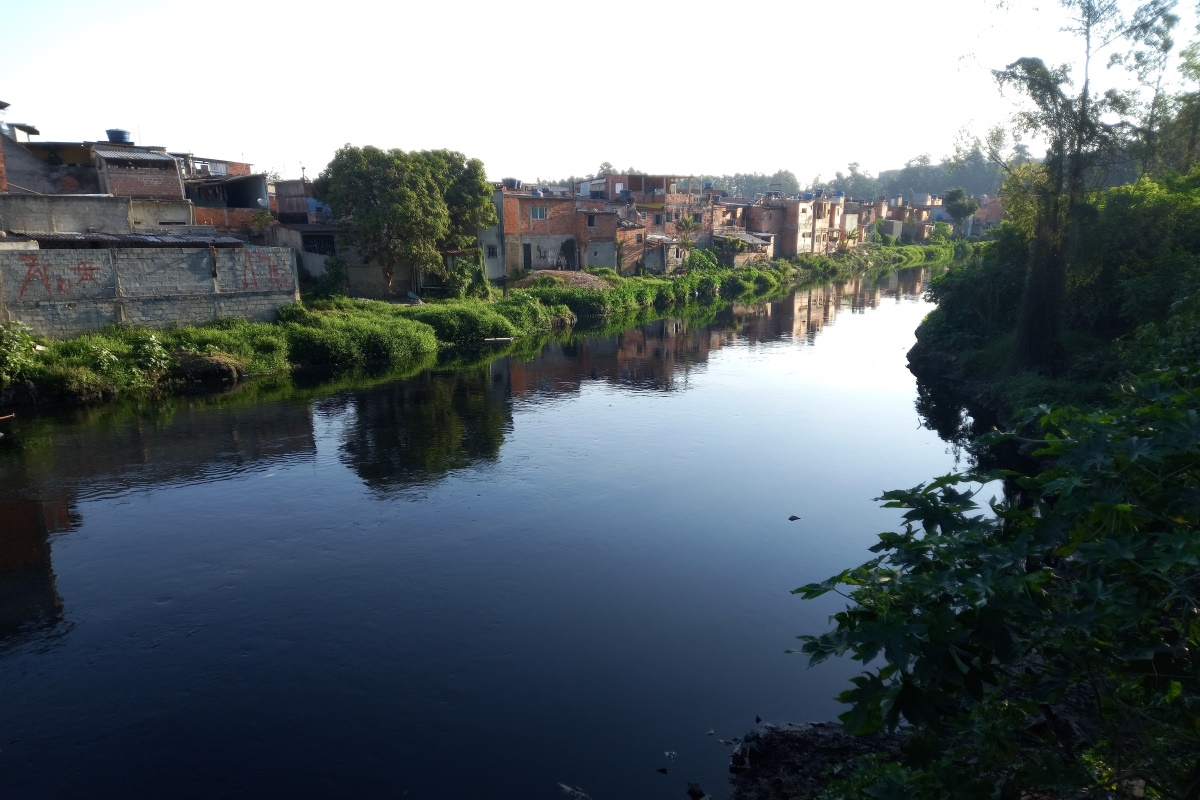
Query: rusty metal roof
point(122, 154)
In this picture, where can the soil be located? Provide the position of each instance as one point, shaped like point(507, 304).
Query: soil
point(796, 761)
point(563, 277)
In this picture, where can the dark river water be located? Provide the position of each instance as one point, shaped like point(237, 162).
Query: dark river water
point(468, 584)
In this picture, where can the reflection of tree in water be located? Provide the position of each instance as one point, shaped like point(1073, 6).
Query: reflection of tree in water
point(960, 421)
point(411, 433)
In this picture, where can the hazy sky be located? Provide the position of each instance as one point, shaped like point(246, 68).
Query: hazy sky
point(538, 88)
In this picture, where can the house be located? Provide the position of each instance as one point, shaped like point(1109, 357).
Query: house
point(989, 214)
point(306, 225)
point(96, 233)
point(539, 229)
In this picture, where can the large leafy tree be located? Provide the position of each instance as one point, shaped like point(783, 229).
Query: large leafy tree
point(1082, 128)
point(959, 206)
point(407, 207)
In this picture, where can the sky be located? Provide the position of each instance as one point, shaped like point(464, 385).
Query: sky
point(536, 89)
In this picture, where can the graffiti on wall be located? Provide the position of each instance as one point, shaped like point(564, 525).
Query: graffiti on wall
point(56, 283)
point(278, 276)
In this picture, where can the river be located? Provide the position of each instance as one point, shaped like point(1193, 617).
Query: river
point(467, 584)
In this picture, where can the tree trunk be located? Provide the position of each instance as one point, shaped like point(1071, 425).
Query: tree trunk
point(1040, 322)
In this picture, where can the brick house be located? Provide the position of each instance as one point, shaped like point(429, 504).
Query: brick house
point(539, 231)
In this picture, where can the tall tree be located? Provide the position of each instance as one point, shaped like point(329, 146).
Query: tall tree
point(407, 207)
point(959, 206)
point(1079, 134)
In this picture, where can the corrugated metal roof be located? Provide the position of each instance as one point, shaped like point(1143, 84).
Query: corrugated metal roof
point(121, 154)
point(135, 239)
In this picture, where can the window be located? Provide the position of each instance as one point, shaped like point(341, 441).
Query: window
point(537, 212)
point(696, 218)
point(591, 220)
point(319, 244)
point(677, 216)
point(658, 219)
point(639, 237)
point(491, 251)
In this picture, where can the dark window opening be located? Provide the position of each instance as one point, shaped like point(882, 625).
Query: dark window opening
point(319, 244)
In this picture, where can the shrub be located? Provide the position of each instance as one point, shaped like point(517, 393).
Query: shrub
point(462, 323)
point(17, 352)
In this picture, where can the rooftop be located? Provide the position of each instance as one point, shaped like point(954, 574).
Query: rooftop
point(134, 239)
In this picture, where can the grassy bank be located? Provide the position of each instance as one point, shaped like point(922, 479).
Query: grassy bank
point(345, 334)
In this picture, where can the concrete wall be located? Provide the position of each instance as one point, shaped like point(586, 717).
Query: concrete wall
point(493, 265)
point(27, 172)
point(62, 293)
point(64, 213)
point(544, 251)
point(599, 254)
point(157, 213)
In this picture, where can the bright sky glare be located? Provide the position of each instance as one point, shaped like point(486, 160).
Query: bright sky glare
point(536, 88)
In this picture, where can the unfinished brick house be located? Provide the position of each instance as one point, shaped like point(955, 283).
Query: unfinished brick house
point(539, 231)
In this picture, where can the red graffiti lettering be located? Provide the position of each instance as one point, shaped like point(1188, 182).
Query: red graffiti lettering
point(63, 285)
point(277, 279)
point(248, 277)
point(86, 272)
point(34, 269)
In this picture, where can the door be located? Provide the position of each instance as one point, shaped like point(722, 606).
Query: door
point(527, 256)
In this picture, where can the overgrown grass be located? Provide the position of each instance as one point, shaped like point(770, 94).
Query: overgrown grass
point(346, 334)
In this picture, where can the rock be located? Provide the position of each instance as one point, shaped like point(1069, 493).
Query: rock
point(782, 762)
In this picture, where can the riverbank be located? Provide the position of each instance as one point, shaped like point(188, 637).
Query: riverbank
point(1044, 637)
point(340, 334)
point(799, 761)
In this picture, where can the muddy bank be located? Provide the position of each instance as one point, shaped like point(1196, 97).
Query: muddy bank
point(797, 761)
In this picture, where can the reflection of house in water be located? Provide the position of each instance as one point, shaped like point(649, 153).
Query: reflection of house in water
point(51, 463)
point(803, 314)
point(29, 602)
point(657, 355)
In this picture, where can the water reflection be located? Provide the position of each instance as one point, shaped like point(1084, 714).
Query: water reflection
point(467, 559)
point(410, 433)
point(49, 467)
point(29, 601)
point(398, 437)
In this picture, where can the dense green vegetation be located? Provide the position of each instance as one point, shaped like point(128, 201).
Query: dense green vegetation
point(343, 334)
point(412, 207)
point(1048, 643)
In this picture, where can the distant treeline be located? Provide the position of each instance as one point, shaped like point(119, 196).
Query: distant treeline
point(970, 169)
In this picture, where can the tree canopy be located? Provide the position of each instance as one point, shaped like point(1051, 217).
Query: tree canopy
point(407, 207)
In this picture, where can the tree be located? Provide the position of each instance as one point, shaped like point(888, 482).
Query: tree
point(959, 206)
point(407, 207)
point(605, 170)
point(1051, 644)
point(686, 227)
point(1079, 133)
